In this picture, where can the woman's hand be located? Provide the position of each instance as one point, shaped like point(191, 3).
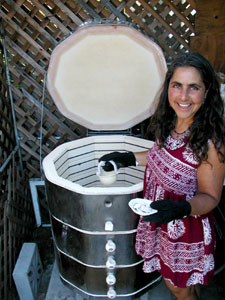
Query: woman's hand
point(168, 211)
point(124, 159)
point(121, 159)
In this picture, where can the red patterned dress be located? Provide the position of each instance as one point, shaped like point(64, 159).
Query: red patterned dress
point(182, 250)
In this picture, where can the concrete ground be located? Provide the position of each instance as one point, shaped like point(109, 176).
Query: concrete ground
point(56, 290)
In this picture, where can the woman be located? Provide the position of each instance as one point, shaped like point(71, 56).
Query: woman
point(184, 177)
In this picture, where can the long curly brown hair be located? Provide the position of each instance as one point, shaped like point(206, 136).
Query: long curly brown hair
point(209, 121)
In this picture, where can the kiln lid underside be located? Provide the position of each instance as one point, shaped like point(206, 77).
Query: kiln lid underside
point(106, 77)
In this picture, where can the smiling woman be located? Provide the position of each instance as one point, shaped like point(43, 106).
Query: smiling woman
point(184, 177)
point(203, 87)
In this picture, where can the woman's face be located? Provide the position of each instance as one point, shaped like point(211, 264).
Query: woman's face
point(186, 92)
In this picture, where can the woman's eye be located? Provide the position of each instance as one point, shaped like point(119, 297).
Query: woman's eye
point(176, 85)
point(194, 88)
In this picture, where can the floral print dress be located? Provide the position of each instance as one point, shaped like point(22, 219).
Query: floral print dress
point(182, 250)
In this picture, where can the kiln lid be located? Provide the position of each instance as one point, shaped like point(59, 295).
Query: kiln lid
point(106, 76)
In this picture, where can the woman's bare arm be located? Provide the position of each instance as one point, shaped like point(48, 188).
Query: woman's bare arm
point(141, 158)
point(210, 176)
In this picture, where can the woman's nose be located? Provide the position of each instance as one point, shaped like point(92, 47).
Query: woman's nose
point(184, 94)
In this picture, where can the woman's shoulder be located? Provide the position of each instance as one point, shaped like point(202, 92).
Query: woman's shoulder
point(215, 155)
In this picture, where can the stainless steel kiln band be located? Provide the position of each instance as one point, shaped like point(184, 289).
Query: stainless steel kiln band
point(77, 264)
point(108, 234)
point(68, 283)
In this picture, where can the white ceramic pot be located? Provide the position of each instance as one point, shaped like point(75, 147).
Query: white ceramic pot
point(107, 178)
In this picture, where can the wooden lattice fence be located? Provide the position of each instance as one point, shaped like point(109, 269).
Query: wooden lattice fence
point(16, 211)
point(33, 28)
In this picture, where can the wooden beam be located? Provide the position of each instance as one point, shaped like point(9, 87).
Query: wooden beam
point(210, 17)
point(192, 3)
point(210, 32)
point(212, 47)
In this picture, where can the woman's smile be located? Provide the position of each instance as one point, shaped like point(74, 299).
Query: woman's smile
point(184, 106)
